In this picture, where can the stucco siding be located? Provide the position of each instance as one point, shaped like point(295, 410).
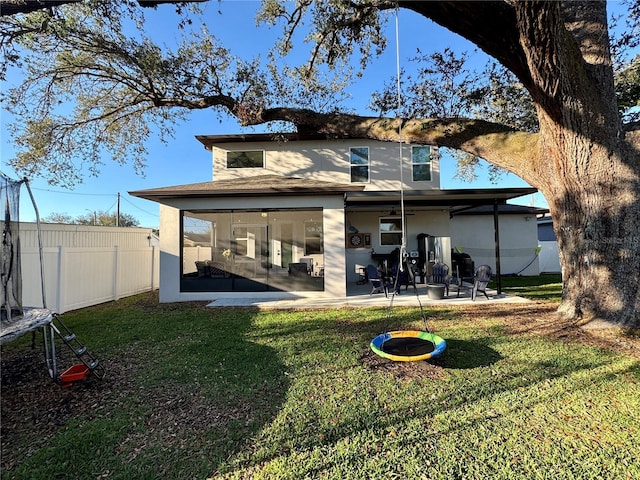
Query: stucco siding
point(334, 240)
point(328, 163)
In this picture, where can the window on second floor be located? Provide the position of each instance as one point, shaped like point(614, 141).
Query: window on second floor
point(391, 231)
point(359, 163)
point(421, 163)
point(246, 159)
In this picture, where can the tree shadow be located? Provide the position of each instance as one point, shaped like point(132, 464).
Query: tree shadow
point(183, 381)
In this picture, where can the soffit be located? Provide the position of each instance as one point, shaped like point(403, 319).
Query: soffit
point(457, 200)
point(210, 140)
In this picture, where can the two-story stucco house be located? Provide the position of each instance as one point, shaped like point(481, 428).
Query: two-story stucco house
point(301, 215)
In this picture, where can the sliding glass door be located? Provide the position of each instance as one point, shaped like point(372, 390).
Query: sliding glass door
point(252, 250)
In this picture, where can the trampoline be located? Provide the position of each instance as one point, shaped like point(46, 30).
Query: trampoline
point(31, 319)
point(17, 320)
point(408, 345)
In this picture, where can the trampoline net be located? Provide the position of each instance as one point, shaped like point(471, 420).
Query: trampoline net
point(10, 272)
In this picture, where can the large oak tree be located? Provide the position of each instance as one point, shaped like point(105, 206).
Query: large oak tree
point(582, 157)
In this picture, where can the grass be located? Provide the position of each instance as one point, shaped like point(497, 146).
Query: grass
point(541, 287)
point(196, 393)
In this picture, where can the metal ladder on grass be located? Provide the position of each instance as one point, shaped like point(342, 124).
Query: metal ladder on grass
point(90, 364)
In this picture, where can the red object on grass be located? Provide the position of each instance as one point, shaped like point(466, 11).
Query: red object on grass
point(74, 374)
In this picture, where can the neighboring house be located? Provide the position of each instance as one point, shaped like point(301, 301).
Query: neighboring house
point(549, 256)
point(303, 215)
point(472, 231)
point(545, 230)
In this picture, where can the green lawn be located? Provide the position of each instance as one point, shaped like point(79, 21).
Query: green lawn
point(197, 393)
point(541, 287)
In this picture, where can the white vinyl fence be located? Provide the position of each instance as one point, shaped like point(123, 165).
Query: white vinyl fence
point(84, 270)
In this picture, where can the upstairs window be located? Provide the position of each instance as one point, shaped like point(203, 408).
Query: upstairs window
point(246, 159)
point(391, 231)
point(359, 162)
point(421, 163)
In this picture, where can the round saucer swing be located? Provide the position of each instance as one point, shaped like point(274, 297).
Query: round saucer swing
point(406, 345)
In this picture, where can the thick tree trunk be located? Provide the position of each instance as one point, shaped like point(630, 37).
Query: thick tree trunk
point(585, 168)
point(580, 161)
point(596, 214)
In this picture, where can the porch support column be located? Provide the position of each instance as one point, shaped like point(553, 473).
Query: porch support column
point(496, 233)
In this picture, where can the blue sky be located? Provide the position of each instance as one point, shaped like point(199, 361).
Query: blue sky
point(184, 160)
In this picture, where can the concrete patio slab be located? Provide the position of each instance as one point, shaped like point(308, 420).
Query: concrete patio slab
point(358, 296)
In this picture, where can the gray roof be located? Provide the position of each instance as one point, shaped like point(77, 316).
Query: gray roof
point(355, 196)
point(253, 186)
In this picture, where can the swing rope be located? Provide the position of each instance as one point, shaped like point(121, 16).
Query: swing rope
point(402, 260)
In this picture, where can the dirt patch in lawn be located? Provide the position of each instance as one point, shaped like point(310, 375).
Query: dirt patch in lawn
point(34, 408)
point(404, 370)
point(542, 319)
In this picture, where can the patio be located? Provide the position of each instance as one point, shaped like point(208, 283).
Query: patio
point(359, 296)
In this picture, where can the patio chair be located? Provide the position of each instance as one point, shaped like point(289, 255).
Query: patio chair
point(378, 283)
point(440, 274)
point(462, 282)
point(217, 270)
point(400, 277)
point(202, 267)
point(481, 280)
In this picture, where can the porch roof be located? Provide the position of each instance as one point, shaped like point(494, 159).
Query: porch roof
point(456, 199)
point(253, 186)
point(355, 195)
point(503, 209)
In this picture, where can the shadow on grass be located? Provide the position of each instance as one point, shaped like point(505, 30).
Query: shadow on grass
point(464, 354)
point(195, 390)
point(484, 369)
point(185, 390)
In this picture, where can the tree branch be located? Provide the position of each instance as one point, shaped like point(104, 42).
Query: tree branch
point(497, 143)
point(478, 22)
point(13, 7)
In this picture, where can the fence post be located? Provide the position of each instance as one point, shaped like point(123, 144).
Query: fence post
point(153, 265)
point(116, 273)
point(59, 308)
